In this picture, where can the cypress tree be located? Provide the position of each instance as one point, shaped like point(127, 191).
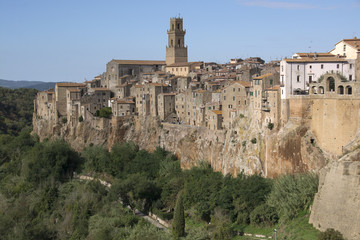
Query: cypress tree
point(178, 224)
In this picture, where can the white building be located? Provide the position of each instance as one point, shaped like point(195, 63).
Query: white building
point(304, 68)
point(347, 48)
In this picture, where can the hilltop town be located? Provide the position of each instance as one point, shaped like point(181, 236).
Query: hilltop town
point(295, 115)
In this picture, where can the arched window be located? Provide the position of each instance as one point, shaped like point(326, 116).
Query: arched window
point(340, 90)
point(179, 43)
point(313, 90)
point(349, 90)
point(321, 90)
point(330, 84)
point(172, 43)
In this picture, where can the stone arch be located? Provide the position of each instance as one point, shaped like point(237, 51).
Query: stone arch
point(348, 90)
point(297, 91)
point(313, 90)
point(321, 90)
point(340, 90)
point(330, 84)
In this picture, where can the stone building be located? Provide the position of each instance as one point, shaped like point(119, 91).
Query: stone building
point(176, 51)
point(180, 107)
point(334, 85)
point(73, 96)
point(271, 108)
point(235, 101)
point(183, 68)
point(214, 120)
point(44, 105)
point(123, 107)
point(166, 105)
point(61, 99)
point(115, 69)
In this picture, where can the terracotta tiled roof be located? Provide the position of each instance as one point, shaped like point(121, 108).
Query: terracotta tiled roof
point(217, 112)
point(243, 83)
point(125, 102)
point(73, 90)
point(101, 89)
point(70, 84)
point(138, 86)
point(168, 94)
point(262, 76)
point(159, 84)
point(353, 42)
point(322, 59)
point(315, 54)
point(139, 62)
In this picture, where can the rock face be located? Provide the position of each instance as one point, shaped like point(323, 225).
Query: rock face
point(245, 148)
point(337, 202)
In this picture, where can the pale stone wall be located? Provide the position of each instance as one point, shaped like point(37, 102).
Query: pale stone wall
point(336, 205)
point(335, 122)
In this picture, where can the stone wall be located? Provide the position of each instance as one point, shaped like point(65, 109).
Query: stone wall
point(337, 202)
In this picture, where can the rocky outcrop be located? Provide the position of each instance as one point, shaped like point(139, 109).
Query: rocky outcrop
point(245, 148)
point(337, 202)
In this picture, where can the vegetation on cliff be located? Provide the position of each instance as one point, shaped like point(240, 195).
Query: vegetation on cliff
point(41, 200)
point(16, 109)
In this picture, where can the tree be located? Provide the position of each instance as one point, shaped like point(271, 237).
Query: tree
point(178, 224)
point(331, 234)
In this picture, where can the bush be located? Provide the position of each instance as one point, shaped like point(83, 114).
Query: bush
point(331, 234)
point(253, 141)
point(81, 119)
point(270, 126)
point(264, 215)
point(292, 194)
point(105, 112)
point(64, 120)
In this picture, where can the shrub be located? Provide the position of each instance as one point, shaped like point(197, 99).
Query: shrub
point(64, 120)
point(292, 194)
point(331, 234)
point(243, 143)
point(105, 112)
point(270, 126)
point(81, 119)
point(264, 215)
point(253, 141)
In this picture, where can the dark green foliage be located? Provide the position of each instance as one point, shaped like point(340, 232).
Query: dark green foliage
point(51, 160)
point(331, 234)
point(178, 224)
point(270, 126)
point(263, 215)
point(121, 155)
point(97, 159)
point(81, 119)
point(16, 109)
point(105, 112)
point(253, 141)
point(64, 120)
point(291, 194)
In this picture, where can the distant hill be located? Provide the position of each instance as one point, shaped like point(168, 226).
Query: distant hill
point(41, 86)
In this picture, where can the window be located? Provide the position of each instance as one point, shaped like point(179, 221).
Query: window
point(298, 78)
point(350, 77)
point(351, 66)
point(310, 79)
point(298, 67)
point(239, 102)
point(238, 89)
point(233, 89)
point(344, 47)
point(224, 98)
point(282, 68)
point(310, 67)
point(322, 66)
point(178, 26)
point(233, 98)
point(271, 82)
point(179, 43)
point(337, 65)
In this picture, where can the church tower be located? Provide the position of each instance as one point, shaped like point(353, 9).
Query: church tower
point(176, 52)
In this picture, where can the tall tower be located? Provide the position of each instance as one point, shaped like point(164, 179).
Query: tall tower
point(176, 52)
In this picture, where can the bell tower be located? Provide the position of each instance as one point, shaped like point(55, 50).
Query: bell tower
point(176, 51)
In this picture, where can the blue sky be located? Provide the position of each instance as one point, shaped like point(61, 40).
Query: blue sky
point(69, 40)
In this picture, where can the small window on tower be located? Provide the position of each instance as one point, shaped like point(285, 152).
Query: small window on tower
point(178, 26)
point(179, 42)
